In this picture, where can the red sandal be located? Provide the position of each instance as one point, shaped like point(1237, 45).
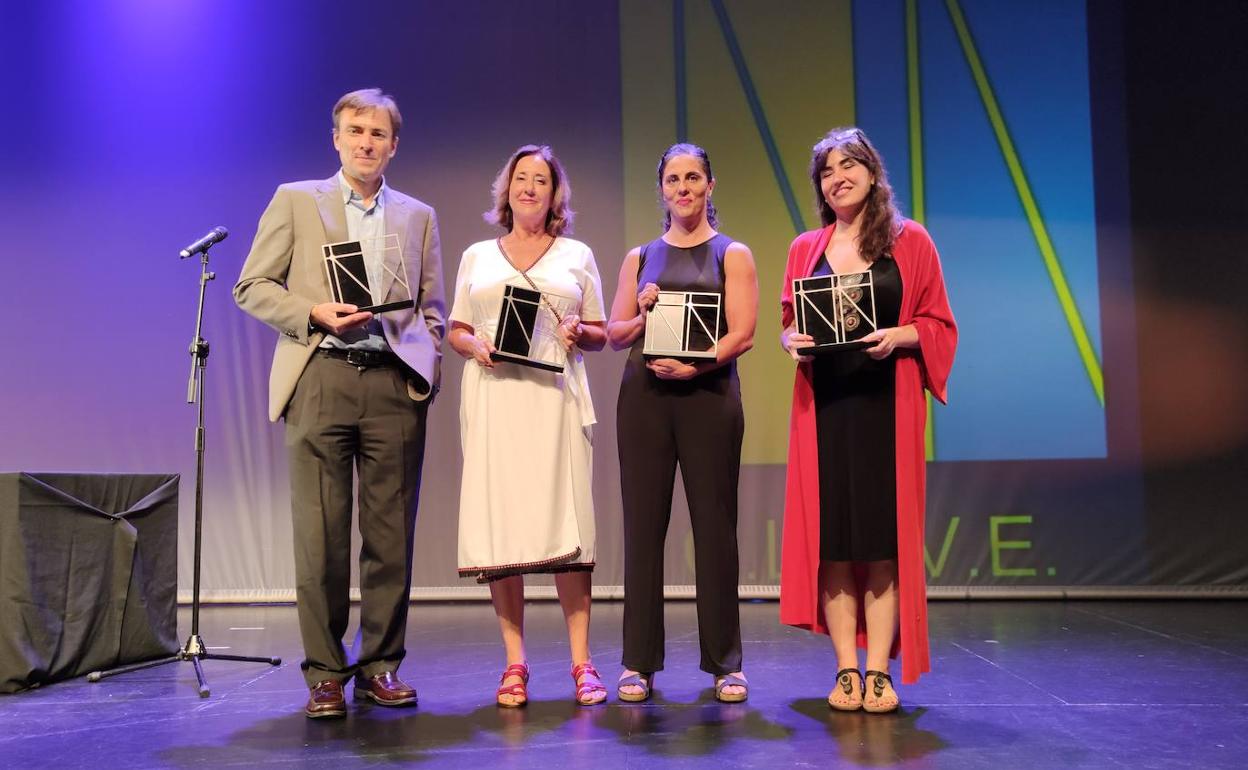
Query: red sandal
point(587, 693)
point(519, 691)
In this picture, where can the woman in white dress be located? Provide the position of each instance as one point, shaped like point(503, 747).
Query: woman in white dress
point(525, 501)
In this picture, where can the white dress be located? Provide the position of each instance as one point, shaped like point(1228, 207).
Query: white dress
point(525, 502)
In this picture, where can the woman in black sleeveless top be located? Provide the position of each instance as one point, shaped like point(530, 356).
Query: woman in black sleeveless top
point(674, 411)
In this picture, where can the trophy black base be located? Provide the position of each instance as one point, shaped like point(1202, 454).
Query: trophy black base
point(832, 347)
point(500, 357)
point(689, 357)
point(386, 307)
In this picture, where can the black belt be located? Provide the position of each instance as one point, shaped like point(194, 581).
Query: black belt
point(362, 358)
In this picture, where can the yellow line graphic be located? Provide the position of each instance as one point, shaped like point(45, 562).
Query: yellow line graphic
point(917, 203)
point(916, 112)
point(1051, 262)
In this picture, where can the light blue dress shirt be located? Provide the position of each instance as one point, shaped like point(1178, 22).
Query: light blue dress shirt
point(368, 226)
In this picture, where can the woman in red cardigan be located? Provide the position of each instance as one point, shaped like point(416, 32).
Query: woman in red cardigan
point(852, 554)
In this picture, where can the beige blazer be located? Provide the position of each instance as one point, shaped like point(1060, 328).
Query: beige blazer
point(284, 276)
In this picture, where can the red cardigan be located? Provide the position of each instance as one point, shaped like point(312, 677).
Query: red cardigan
point(924, 304)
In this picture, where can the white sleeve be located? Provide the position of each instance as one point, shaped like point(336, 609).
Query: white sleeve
point(461, 309)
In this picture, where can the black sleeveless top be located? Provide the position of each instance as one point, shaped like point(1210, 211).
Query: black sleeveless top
point(675, 268)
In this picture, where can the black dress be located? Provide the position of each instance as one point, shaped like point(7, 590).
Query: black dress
point(855, 425)
point(697, 424)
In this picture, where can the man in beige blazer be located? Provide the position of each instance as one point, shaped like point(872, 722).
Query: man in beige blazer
point(354, 390)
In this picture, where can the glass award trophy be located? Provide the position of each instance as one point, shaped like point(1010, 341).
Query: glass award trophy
point(349, 279)
point(683, 325)
point(836, 310)
point(527, 324)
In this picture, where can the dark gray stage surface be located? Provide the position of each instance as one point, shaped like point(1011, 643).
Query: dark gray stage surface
point(1016, 685)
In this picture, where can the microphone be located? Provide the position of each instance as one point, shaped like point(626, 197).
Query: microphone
point(216, 235)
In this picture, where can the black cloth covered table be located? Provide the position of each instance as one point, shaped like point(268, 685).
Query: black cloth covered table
point(88, 573)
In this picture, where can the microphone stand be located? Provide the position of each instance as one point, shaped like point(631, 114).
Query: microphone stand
point(194, 650)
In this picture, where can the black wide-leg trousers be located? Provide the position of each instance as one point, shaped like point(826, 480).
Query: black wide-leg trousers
point(698, 425)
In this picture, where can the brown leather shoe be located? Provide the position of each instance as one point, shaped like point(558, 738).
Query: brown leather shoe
point(326, 701)
point(385, 689)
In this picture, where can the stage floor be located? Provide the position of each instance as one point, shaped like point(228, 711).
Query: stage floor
point(1014, 685)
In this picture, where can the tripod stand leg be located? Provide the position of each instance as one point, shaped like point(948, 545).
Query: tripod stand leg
point(199, 674)
point(96, 676)
point(244, 658)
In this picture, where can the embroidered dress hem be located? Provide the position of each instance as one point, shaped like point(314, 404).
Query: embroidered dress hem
point(553, 565)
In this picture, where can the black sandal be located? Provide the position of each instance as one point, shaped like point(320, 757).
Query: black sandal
point(846, 684)
point(877, 689)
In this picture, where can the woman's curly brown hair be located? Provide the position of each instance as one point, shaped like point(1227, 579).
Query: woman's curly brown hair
point(881, 221)
point(559, 218)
